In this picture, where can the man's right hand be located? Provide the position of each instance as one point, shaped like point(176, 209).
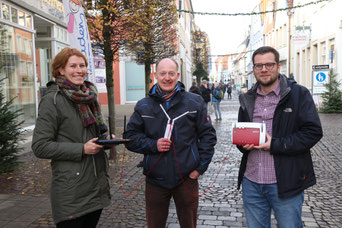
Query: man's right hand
point(163, 144)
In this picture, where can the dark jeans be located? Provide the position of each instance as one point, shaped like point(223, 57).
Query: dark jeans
point(158, 201)
point(89, 220)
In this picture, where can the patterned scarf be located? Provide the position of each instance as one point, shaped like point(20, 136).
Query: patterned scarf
point(85, 98)
point(166, 97)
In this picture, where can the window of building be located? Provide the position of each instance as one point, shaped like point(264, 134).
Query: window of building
point(323, 53)
point(17, 72)
point(30, 69)
point(28, 21)
point(22, 67)
point(331, 50)
point(19, 43)
point(21, 18)
point(14, 15)
point(27, 45)
point(5, 11)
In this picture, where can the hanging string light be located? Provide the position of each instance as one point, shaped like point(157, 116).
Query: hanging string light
point(252, 13)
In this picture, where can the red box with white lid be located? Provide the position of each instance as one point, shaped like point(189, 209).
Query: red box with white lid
point(248, 133)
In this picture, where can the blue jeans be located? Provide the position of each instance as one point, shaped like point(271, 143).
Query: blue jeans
point(217, 110)
point(259, 199)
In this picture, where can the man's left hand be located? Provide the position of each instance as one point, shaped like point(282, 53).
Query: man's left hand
point(266, 145)
point(194, 175)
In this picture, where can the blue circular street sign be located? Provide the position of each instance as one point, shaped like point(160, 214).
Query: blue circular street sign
point(320, 77)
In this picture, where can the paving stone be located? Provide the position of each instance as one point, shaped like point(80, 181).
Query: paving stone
point(221, 206)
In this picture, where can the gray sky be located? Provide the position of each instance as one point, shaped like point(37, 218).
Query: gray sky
point(225, 32)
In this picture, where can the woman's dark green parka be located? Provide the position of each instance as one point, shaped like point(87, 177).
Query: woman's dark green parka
point(80, 183)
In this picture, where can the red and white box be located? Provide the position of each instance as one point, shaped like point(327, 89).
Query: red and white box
point(248, 133)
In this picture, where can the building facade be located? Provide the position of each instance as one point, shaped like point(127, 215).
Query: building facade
point(32, 32)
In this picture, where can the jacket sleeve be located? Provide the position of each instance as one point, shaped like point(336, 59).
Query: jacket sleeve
point(44, 141)
point(140, 142)
point(206, 139)
point(309, 131)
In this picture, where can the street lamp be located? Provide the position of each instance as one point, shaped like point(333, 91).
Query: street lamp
point(199, 43)
point(289, 14)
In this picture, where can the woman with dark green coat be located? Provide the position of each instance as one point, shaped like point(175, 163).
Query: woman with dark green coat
point(68, 125)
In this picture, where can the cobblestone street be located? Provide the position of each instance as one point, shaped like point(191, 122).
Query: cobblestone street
point(221, 205)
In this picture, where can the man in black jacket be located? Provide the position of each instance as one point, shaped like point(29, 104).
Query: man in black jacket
point(275, 174)
point(205, 92)
point(194, 88)
point(171, 128)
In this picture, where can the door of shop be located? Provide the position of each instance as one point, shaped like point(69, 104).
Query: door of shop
point(135, 81)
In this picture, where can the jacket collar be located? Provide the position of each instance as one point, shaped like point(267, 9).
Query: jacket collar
point(247, 100)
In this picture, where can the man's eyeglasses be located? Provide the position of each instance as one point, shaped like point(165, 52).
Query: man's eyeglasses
point(269, 66)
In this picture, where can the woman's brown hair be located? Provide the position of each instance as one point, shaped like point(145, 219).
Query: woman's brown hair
point(61, 59)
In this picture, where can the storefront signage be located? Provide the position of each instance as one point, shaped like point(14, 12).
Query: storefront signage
point(55, 8)
point(301, 35)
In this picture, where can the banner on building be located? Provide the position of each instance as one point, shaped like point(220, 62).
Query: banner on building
point(301, 35)
point(78, 33)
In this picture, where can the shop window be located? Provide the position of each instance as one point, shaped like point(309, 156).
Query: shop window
point(21, 18)
point(17, 72)
point(14, 15)
point(5, 11)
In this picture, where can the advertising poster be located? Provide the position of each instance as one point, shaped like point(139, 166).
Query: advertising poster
point(78, 33)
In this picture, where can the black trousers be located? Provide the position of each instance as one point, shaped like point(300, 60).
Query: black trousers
point(89, 220)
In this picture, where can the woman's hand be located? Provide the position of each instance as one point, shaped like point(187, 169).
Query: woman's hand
point(91, 147)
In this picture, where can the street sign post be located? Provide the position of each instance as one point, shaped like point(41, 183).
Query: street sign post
point(320, 77)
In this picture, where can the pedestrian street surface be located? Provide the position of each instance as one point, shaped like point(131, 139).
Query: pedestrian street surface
point(221, 205)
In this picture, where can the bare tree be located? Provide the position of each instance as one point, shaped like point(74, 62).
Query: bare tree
point(151, 32)
point(106, 24)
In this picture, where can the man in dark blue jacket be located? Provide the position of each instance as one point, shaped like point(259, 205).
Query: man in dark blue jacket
point(173, 131)
point(274, 175)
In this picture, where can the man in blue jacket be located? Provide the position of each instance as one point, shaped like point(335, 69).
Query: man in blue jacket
point(274, 175)
point(173, 131)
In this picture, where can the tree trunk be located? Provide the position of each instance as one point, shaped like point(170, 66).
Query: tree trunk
point(198, 80)
point(147, 76)
point(109, 57)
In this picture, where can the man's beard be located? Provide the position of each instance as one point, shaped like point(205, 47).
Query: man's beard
point(270, 82)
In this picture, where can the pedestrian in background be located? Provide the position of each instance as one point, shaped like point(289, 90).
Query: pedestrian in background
point(274, 175)
point(205, 92)
point(223, 88)
point(194, 88)
point(171, 128)
point(217, 100)
point(68, 125)
point(229, 91)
